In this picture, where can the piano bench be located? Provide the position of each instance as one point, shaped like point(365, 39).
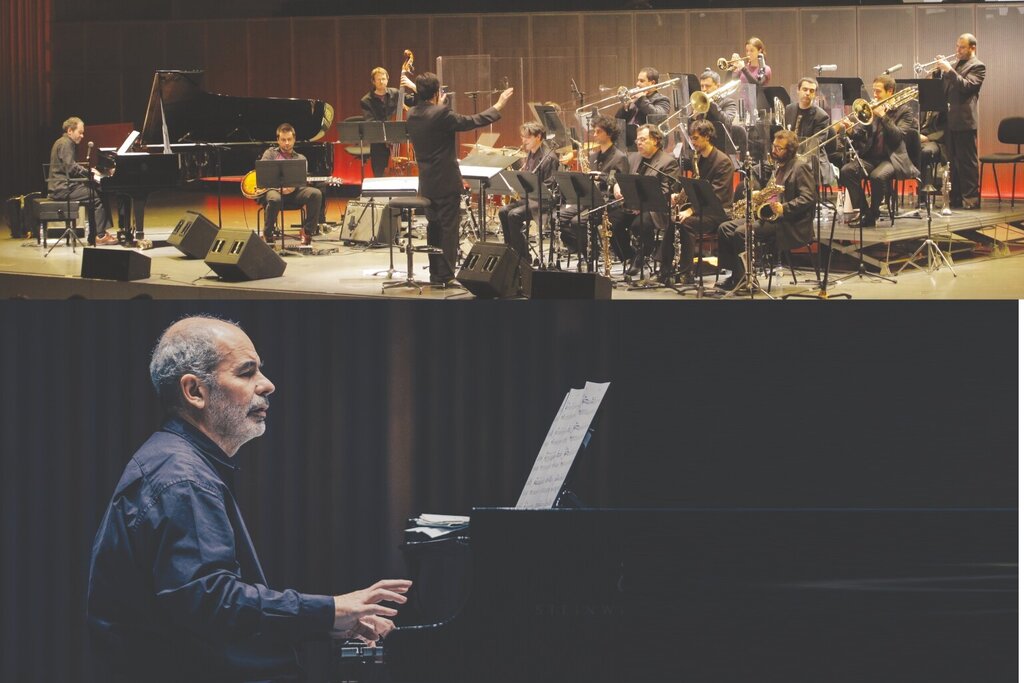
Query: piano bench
point(53, 211)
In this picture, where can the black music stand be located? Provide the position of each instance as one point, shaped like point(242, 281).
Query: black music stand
point(580, 188)
point(773, 91)
point(482, 168)
point(704, 202)
point(532, 186)
point(279, 174)
point(643, 193)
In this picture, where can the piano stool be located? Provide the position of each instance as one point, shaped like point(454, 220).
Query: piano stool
point(277, 227)
point(56, 210)
point(408, 206)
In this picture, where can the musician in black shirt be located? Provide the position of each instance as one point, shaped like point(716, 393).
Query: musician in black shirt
point(608, 160)
point(803, 117)
point(649, 160)
point(961, 83)
point(305, 197)
point(67, 180)
point(646, 107)
point(540, 160)
point(725, 111)
point(714, 166)
point(381, 104)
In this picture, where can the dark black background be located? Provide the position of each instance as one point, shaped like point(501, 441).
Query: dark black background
point(386, 410)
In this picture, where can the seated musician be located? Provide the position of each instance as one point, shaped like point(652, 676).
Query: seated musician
point(306, 196)
point(725, 112)
point(649, 160)
point(61, 185)
point(716, 168)
point(804, 117)
point(515, 217)
point(792, 213)
point(933, 152)
point(381, 104)
point(641, 108)
point(176, 590)
point(608, 160)
point(882, 149)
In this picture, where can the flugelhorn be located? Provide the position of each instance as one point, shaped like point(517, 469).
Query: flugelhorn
point(928, 66)
point(730, 64)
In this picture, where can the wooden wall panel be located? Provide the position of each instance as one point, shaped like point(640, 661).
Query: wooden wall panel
point(359, 52)
point(779, 29)
point(185, 45)
point(554, 56)
point(227, 62)
point(455, 35)
point(1000, 34)
point(886, 39)
point(269, 52)
point(506, 39)
point(608, 54)
point(938, 27)
point(661, 41)
point(830, 37)
point(714, 34)
point(142, 53)
point(314, 60)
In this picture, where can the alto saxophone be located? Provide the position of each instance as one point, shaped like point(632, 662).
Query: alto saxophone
point(605, 233)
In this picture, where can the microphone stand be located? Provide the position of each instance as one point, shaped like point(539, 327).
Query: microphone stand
point(749, 279)
point(861, 271)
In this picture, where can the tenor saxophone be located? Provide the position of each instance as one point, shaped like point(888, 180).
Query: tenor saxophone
point(761, 201)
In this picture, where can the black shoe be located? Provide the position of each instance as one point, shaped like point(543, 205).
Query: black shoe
point(634, 266)
point(863, 222)
point(971, 204)
point(728, 284)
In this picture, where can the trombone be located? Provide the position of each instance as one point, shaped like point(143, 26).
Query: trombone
point(623, 94)
point(700, 103)
point(730, 64)
point(863, 113)
point(928, 66)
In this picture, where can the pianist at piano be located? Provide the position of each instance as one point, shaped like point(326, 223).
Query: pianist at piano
point(176, 590)
point(307, 197)
point(69, 180)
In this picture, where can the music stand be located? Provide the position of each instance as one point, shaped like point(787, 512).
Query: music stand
point(548, 116)
point(279, 174)
point(352, 132)
point(704, 202)
point(773, 91)
point(581, 189)
point(531, 185)
point(481, 168)
point(643, 193)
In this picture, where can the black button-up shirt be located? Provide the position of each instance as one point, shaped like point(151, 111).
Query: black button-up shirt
point(176, 590)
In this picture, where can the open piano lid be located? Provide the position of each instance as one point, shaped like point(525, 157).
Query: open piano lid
point(178, 101)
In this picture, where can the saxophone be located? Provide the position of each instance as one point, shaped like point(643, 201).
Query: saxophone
point(947, 187)
point(761, 200)
point(605, 233)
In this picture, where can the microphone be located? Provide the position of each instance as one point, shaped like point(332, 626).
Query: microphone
point(760, 65)
point(825, 67)
point(892, 69)
point(88, 150)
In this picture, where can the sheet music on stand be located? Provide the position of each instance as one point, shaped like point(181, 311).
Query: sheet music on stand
point(569, 433)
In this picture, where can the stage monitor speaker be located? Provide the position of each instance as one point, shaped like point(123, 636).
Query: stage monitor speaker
point(495, 271)
point(238, 255)
point(193, 235)
point(363, 221)
point(555, 284)
point(114, 264)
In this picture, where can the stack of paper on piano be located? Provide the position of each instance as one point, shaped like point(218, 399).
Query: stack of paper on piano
point(435, 526)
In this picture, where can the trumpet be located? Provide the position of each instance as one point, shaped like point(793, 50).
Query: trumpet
point(928, 66)
point(730, 64)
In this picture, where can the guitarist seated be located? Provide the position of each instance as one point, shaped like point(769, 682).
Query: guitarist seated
point(306, 196)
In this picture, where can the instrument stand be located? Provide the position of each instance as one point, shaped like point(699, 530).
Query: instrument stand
point(936, 257)
point(638, 193)
point(749, 279)
point(70, 233)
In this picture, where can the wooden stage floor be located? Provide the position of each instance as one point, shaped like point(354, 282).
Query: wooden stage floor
point(986, 248)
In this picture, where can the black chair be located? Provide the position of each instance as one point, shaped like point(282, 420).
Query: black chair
point(1011, 132)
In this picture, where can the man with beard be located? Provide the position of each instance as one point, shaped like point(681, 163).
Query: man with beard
point(649, 106)
point(793, 211)
point(176, 590)
point(961, 83)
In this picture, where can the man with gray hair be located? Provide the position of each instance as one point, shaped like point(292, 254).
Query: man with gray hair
point(68, 180)
point(176, 590)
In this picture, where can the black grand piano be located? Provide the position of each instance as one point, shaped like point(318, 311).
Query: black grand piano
point(703, 595)
point(189, 134)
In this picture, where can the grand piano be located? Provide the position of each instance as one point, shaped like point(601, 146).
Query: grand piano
point(703, 595)
point(190, 134)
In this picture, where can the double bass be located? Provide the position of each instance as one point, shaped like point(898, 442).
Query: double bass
point(402, 162)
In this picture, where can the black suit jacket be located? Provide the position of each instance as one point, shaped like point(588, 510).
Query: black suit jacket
point(895, 127)
point(669, 169)
point(796, 226)
point(962, 86)
point(816, 117)
point(654, 104)
point(432, 129)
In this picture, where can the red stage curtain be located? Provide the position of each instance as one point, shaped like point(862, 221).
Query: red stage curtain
point(25, 111)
